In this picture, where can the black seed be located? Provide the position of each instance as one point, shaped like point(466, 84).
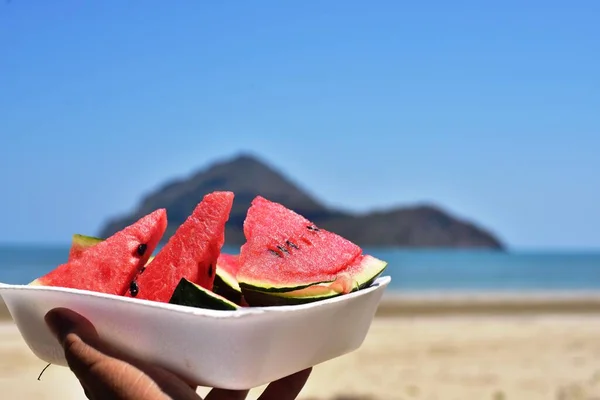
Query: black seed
point(142, 249)
point(133, 288)
point(291, 244)
point(274, 252)
point(210, 270)
point(312, 228)
point(283, 249)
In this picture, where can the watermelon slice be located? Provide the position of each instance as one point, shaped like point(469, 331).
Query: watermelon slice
point(225, 283)
point(191, 253)
point(285, 252)
point(110, 265)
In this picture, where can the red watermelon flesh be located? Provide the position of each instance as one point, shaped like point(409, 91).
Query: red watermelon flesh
point(285, 251)
point(191, 253)
point(110, 265)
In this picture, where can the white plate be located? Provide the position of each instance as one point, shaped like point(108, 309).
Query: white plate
point(239, 349)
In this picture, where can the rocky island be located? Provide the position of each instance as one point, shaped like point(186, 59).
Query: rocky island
point(420, 226)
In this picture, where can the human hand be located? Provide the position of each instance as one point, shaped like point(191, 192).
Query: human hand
point(106, 373)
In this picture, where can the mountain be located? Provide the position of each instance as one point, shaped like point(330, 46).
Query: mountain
point(247, 177)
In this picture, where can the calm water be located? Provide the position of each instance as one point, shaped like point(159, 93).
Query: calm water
point(410, 270)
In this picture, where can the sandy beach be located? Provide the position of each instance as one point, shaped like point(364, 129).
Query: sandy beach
point(486, 347)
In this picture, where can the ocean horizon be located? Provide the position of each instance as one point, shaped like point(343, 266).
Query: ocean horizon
point(412, 270)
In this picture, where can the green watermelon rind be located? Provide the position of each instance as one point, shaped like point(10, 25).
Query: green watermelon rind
point(263, 299)
point(227, 279)
point(259, 295)
point(85, 241)
point(371, 267)
point(264, 286)
point(307, 295)
point(227, 288)
point(191, 295)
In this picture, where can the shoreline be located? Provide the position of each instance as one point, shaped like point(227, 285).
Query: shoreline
point(441, 303)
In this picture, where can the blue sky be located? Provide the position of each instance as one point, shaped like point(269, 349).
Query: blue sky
point(492, 112)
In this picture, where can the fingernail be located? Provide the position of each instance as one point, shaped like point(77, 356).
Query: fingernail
point(60, 323)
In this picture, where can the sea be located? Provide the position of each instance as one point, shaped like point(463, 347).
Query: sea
point(412, 271)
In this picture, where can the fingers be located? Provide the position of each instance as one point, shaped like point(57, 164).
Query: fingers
point(287, 388)
point(104, 375)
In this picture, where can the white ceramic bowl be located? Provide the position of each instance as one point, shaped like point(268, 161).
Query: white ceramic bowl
point(239, 349)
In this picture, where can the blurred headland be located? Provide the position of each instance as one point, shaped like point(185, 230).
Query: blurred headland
point(418, 226)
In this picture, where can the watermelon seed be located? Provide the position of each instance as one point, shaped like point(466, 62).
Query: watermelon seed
point(134, 288)
point(210, 270)
point(283, 249)
point(312, 228)
point(142, 249)
point(291, 244)
point(274, 252)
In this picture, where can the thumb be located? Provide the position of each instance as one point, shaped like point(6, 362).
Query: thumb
point(79, 339)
